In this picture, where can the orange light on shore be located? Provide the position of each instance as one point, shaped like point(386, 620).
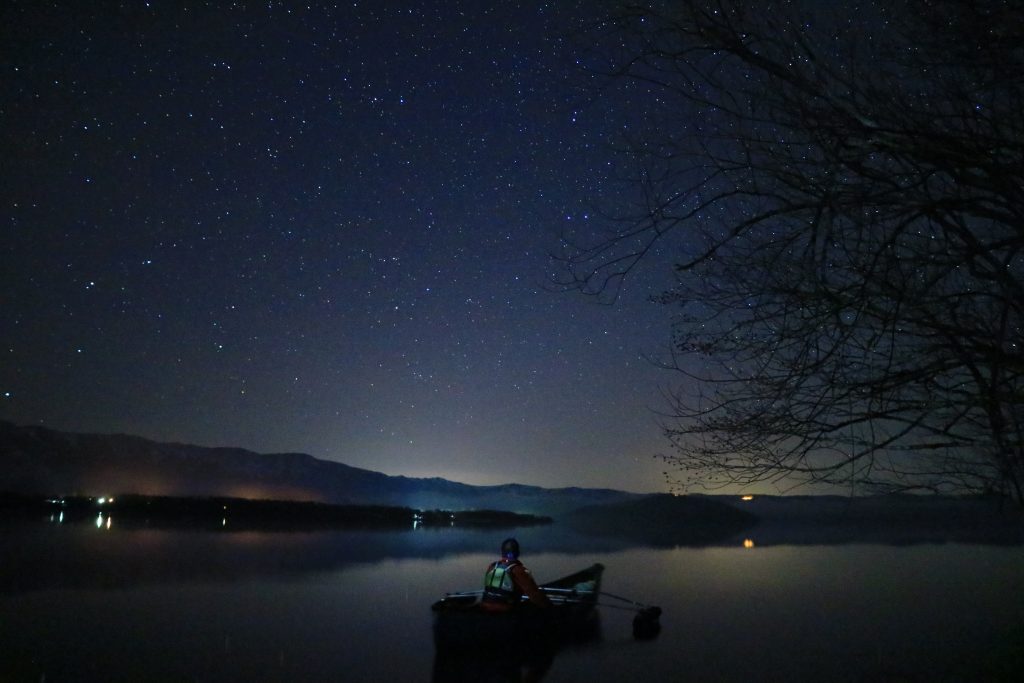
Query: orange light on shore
point(747, 498)
point(748, 543)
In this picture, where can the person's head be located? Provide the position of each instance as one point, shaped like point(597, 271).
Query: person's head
point(510, 548)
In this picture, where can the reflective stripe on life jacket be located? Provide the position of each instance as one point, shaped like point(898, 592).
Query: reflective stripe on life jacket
point(499, 587)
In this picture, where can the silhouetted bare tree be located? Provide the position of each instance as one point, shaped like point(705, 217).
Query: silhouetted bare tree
point(845, 196)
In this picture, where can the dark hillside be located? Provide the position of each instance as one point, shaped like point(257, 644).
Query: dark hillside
point(42, 461)
point(663, 520)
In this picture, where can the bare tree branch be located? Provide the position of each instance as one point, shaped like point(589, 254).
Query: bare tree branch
point(845, 194)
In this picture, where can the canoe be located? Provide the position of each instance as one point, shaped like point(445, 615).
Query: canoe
point(460, 621)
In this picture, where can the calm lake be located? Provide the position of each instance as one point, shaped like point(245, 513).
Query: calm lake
point(90, 602)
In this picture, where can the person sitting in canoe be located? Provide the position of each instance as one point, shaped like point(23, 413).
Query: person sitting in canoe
point(507, 580)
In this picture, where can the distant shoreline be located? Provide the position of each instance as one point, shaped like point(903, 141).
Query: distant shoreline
point(221, 513)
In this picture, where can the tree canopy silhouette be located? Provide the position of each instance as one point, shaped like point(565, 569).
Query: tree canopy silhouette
point(843, 191)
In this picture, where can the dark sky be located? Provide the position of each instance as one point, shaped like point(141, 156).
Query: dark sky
point(318, 228)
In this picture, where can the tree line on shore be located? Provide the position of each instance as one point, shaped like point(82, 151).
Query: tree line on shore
point(250, 514)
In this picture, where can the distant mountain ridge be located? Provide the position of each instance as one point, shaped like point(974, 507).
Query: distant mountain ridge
point(40, 460)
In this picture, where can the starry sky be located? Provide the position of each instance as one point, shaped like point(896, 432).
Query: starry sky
point(320, 228)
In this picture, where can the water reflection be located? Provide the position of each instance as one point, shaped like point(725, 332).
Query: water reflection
point(525, 662)
point(497, 666)
point(142, 555)
point(355, 606)
point(102, 522)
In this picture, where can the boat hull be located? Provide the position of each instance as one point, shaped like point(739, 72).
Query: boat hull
point(460, 620)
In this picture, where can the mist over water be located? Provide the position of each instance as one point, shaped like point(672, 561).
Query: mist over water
point(88, 603)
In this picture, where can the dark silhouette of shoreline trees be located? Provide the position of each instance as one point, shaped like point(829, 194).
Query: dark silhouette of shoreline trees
point(843, 193)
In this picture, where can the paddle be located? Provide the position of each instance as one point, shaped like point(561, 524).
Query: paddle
point(571, 596)
point(645, 624)
point(463, 594)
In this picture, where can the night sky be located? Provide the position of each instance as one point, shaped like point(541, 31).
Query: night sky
point(319, 228)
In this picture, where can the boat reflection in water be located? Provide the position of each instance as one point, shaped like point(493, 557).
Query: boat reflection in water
point(522, 661)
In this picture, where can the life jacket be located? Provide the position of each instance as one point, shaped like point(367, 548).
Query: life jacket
point(499, 587)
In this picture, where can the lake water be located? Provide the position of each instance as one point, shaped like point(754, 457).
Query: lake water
point(92, 603)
